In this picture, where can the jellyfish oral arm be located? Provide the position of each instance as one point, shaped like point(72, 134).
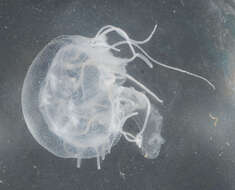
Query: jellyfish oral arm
point(138, 138)
point(140, 134)
point(128, 136)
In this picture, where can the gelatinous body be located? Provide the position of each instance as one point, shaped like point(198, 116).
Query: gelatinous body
point(75, 102)
point(152, 139)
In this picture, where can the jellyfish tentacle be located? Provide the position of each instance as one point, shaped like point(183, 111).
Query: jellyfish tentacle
point(142, 57)
point(143, 87)
point(101, 30)
point(138, 138)
point(119, 31)
point(147, 56)
point(147, 39)
point(102, 152)
point(135, 55)
point(134, 43)
point(109, 28)
point(79, 161)
point(105, 45)
point(128, 41)
point(146, 116)
point(128, 136)
point(98, 158)
point(173, 68)
point(104, 30)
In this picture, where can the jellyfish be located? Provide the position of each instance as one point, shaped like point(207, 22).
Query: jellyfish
point(75, 101)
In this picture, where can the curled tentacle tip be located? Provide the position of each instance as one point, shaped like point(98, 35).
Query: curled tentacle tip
point(212, 85)
point(150, 65)
point(155, 28)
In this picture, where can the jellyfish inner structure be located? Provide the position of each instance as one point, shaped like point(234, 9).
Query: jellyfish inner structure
point(75, 101)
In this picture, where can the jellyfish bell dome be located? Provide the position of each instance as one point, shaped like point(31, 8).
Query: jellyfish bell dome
point(57, 109)
point(72, 103)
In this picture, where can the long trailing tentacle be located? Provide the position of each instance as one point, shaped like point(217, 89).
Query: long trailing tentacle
point(167, 66)
point(144, 88)
point(134, 43)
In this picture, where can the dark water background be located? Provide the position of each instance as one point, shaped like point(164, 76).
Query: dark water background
point(195, 35)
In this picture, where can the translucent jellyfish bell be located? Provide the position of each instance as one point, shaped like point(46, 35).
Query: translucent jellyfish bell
point(75, 103)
